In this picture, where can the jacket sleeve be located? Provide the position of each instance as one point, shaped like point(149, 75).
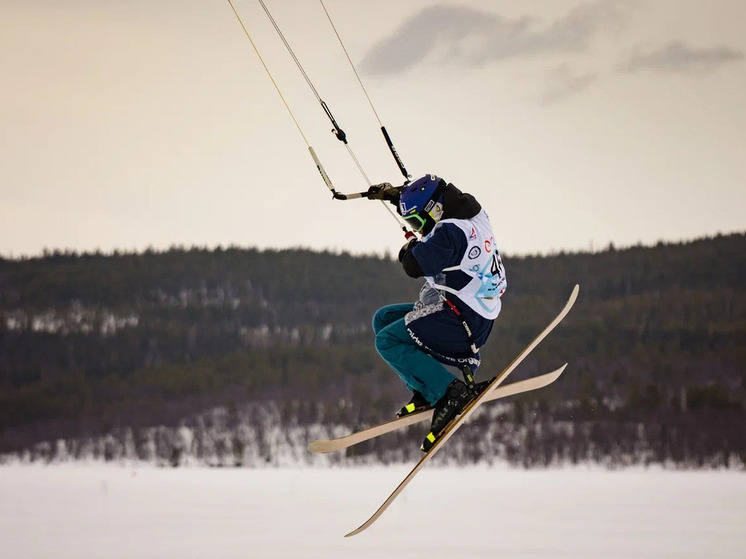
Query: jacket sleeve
point(444, 249)
point(409, 262)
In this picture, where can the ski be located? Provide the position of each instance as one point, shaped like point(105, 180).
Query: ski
point(323, 446)
point(467, 412)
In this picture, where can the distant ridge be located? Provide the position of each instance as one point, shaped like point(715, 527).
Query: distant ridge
point(94, 343)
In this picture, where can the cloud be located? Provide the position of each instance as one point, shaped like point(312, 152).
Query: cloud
point(564, 82)
point(678, 57)
point(466, 36)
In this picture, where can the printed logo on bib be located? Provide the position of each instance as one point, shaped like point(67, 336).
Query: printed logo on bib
point(474, 253)
point(488, 244)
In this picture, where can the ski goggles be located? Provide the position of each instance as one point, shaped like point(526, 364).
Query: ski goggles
point(415, 222)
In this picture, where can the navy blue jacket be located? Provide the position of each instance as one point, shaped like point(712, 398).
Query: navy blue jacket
point(445, 249)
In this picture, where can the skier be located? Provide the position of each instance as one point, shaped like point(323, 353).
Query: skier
point(457, 305)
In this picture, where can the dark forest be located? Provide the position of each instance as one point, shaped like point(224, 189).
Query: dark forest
point(91, 344)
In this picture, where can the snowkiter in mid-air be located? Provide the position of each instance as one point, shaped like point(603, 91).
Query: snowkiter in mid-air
point(457, 305)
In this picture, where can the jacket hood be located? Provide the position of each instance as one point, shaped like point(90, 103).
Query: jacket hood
point(459, 205)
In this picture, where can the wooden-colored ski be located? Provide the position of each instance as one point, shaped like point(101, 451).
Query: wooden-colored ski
point(323, 446)
point(467, 412)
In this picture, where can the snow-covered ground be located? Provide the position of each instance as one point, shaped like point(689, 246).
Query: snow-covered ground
point(96, 511)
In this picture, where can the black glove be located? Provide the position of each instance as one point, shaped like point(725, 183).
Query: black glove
point(384, 191)
point(406, 248)
point(409, 262)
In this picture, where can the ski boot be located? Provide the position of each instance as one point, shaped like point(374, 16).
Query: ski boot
point(417, 403)
point(482, 386)
point(457, 396)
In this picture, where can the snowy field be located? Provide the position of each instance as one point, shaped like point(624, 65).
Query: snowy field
point(96, 511)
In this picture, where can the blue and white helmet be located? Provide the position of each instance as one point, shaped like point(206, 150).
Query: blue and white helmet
point(421, 203)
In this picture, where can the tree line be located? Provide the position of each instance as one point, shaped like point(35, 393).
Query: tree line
point(95, 343)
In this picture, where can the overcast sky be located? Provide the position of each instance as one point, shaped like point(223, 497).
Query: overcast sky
point(131, 124)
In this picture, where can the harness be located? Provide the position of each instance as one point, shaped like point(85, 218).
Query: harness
point(469, 335)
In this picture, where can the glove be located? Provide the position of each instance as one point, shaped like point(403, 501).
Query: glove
point(406, 248)
point(384, 191)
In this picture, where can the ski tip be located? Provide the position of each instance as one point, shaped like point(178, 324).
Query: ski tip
point(575, 291)
point(554, 375)
point(365, 525)
point(356, 531)
point(318, 446)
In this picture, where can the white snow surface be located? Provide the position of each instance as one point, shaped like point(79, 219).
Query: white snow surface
point(103, 511)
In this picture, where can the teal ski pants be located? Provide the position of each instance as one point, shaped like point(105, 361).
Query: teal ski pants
point(395, 345)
